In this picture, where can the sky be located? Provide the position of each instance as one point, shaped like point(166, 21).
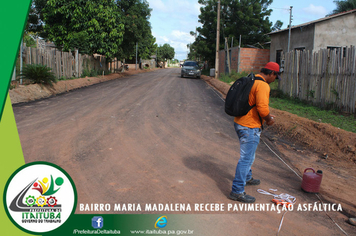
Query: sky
point(172, 20)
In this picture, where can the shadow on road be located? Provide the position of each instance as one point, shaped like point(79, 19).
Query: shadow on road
point(217, 172)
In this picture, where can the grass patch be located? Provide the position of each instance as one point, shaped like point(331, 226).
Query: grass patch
point(64, 78)
point(232, 77)
point(94, 73)
point(304, 109)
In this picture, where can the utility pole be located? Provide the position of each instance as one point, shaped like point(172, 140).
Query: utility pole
point(227, 50)
point(136, 55)
point(290, 27)
point(238, 56)
point(195, 35)
point(21, 59)
point(217, 44)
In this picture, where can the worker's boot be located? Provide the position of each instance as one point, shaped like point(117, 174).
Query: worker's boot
point(242, 197)
point(352, 221)
point(253, 181)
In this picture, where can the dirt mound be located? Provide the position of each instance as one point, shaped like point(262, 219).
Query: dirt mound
point(325, 139)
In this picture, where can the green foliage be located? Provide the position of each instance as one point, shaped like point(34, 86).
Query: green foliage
point(94, 73)
point(92, 26)
point(137, 29)
point(85, 73)
point(108, 27)
point(30, 42)
point(34, 22)
point(312, 93)
point(165, 52)
point(277, 26)
point(304, 109)
point(335, 92)
point(38, 74)
point(175, 61)
point(79, 40)
point(233, 76)
point(64, 78)
point(342, 6)
point(250, 19)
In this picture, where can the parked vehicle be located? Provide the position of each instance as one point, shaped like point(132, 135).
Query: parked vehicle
point(122, 68)
point(191, 69)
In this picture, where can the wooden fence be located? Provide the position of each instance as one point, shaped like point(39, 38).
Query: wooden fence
point(326, 78)
point(64, 64)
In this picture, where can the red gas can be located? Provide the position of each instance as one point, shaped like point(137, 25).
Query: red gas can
point(311, 180)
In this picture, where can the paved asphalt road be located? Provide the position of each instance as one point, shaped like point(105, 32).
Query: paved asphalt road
point(156, 138)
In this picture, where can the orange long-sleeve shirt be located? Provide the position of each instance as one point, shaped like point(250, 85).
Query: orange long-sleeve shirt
point(259, 95)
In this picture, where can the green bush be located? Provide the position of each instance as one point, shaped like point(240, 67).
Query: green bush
point(94, 73)
point(38, 74)
point(85, 73)
point(233, 76)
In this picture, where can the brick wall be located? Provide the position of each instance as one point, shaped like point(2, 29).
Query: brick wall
point(251, 59)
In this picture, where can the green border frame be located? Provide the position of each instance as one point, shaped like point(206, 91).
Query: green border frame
point(31, 164)
point(15, 12)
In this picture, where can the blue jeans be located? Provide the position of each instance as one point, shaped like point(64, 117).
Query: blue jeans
point(249, 140)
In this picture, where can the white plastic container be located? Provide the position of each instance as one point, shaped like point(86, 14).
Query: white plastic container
point(212, 72)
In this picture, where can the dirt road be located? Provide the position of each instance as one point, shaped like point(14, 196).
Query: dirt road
point(156, 138)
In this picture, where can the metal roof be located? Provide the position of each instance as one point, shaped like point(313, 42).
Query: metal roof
point(316, 21)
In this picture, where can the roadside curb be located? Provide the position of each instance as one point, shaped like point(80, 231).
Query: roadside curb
point(222, 87)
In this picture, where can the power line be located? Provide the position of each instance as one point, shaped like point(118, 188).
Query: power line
point(279, 8)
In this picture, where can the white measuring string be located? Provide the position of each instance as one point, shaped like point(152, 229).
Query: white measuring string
point(342, 230)
point(283, 196)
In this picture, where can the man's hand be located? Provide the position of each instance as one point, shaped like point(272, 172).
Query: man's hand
point(269, 119)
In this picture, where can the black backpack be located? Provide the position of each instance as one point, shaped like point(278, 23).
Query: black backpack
point(236, 102)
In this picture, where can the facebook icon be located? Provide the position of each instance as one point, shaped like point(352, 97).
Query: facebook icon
point(97, 222)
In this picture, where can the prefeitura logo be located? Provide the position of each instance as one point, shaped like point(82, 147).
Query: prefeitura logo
point(39, 197)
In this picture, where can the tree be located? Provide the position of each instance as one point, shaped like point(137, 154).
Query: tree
point(247, 18)
point(92, 26)
point(277, 26)
point(165, 52)
point(342, 6)
point(29, 40)
point(35, 18)
point(147, 47)
point(34, 23)
point(137, 29)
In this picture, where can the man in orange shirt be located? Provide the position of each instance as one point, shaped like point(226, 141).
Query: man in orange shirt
point(248, 129)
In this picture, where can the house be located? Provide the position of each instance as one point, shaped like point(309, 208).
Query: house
point(334, 32)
